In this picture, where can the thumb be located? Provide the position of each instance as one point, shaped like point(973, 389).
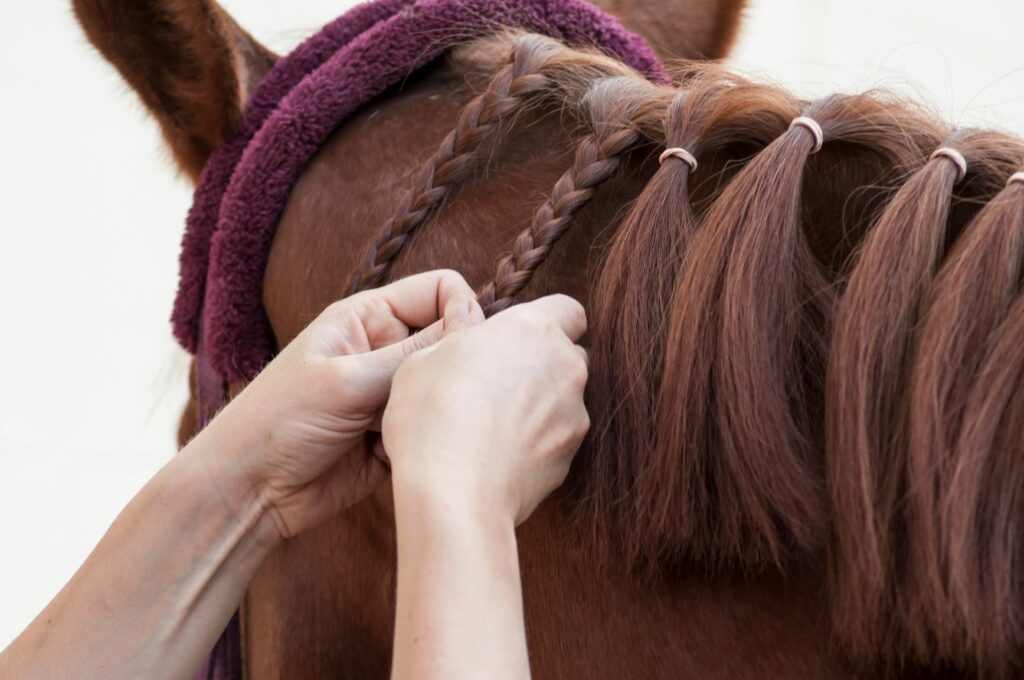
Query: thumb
point(460, 312)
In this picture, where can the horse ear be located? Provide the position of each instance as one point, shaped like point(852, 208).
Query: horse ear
point(681, 29)
point(191, 64)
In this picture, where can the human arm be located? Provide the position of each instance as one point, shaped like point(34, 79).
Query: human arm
point(512, 387)
point(285, 455)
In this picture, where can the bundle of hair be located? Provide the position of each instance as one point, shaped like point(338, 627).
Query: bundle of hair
point(807, 339)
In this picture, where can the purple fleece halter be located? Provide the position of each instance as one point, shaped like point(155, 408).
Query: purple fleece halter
point(246, 182)
point(218, 313)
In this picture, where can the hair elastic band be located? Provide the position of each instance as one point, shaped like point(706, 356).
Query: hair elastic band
point(1016, 178)
point(811, 126)
point(953, 155)
point(680, 153)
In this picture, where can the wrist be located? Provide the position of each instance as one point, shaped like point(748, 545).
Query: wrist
point(450, 502)
point(213, 463)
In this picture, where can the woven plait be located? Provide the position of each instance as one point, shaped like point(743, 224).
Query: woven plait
point(597, 157)
point(509, 91)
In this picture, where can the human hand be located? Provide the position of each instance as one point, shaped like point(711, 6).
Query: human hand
point(492, 415)
point(299, 428)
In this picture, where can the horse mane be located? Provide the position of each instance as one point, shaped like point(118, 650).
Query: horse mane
point(796, 355)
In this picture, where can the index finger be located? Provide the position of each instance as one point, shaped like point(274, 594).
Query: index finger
point(419, 300)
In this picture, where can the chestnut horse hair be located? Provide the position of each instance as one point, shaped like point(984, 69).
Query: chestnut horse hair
point(770, 383)
point(804, 361)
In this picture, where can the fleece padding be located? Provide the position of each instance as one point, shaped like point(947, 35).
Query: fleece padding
point(245, 184)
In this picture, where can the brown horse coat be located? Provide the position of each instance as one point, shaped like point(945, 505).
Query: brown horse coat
point(323, 603)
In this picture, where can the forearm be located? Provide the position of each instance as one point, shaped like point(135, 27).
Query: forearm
point(159, 588)
point(459, 612)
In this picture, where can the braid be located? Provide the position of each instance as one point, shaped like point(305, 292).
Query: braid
point(598, 156)
point(508, 91)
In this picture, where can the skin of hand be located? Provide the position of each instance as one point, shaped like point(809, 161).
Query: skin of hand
point(286, 454)
point(495, 411)
point(480, 428)
point(304, 419)
point(289, 452)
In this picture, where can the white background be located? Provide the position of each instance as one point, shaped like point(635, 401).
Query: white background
point(91, 383)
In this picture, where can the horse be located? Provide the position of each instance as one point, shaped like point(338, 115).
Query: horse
point(771, 488)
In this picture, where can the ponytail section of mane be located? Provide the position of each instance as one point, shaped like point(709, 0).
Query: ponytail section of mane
point(886, 477)
point(761, 488)
point(984, 505)
point(653, 507)
point(708, 407)
point(955, 491)
point(960, 311)
point(797, 356)
point(866, 370)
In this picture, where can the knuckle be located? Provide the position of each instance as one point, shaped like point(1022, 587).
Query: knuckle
point(449, 278)
point(532, 319)
point(584, 360)
point(584, 423)
point(358, 306)
point(580, 316)
point(578, 379)
point(448, 274)
point(573, 307)
point(576, 370)
point(374, 306)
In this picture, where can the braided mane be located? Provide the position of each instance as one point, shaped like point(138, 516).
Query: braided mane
point(796, 356)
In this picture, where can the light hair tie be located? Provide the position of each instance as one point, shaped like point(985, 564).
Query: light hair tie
point(811, 126)
point(1016, 178)
point(680, 153)
point(952, 154)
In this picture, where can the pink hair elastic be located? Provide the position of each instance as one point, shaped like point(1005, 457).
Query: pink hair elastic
point(952, 155)
point(1016, 178)
point(811, 126)
point(680, 153)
